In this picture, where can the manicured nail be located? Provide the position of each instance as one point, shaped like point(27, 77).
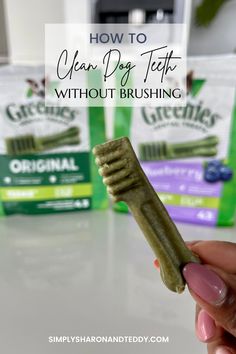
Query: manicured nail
point(205, 283)
point(223, 350)
point(206, 327)
point(192, 243)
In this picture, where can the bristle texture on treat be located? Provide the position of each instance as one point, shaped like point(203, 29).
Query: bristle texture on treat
point(21, 145)
point(115, 167)
point(153, 151)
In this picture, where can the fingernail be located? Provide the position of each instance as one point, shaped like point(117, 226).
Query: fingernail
point(206, 327)
point(192, 243)
point(205, 283)
point(223, 350)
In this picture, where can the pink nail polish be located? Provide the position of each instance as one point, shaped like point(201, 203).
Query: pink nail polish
point(206, 327)
point(205, 283)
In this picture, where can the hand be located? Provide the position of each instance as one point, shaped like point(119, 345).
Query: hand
point(213, 286)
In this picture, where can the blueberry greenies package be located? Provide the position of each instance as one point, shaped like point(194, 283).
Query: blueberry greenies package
point(46, 163)
point(189, 153)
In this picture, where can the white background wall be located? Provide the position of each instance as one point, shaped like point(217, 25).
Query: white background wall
point(25, 24)
point(3, 39)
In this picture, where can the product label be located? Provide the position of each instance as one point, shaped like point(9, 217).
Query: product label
point(181, 184)
point(52, 182)
point(184, 151)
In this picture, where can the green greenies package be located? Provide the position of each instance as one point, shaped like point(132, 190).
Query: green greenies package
point(189, 153)
point(46, 164)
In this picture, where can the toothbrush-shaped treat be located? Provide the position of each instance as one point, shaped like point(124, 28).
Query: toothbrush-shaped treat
point(161, 150)
point(30, 144)
point(127, 182)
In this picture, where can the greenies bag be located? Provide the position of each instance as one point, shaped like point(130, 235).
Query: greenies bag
point(46, 164)
point(189, 153)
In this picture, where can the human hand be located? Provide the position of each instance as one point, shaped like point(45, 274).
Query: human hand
point(213, 287)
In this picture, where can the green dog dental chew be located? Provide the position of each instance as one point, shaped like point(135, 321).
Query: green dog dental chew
point(127, 182)
point(29, 144)
point(161, 150)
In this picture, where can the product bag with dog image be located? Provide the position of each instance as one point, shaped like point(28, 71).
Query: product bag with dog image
point(46, 164)
point(189, 153)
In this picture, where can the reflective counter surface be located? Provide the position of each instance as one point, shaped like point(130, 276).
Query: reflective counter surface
point(90, 274)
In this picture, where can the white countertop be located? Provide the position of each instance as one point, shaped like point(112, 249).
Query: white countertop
point(89, 274)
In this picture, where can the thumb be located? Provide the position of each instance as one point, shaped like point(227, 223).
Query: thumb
point(215, 292)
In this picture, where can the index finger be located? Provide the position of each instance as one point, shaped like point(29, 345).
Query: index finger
point(220, 254)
